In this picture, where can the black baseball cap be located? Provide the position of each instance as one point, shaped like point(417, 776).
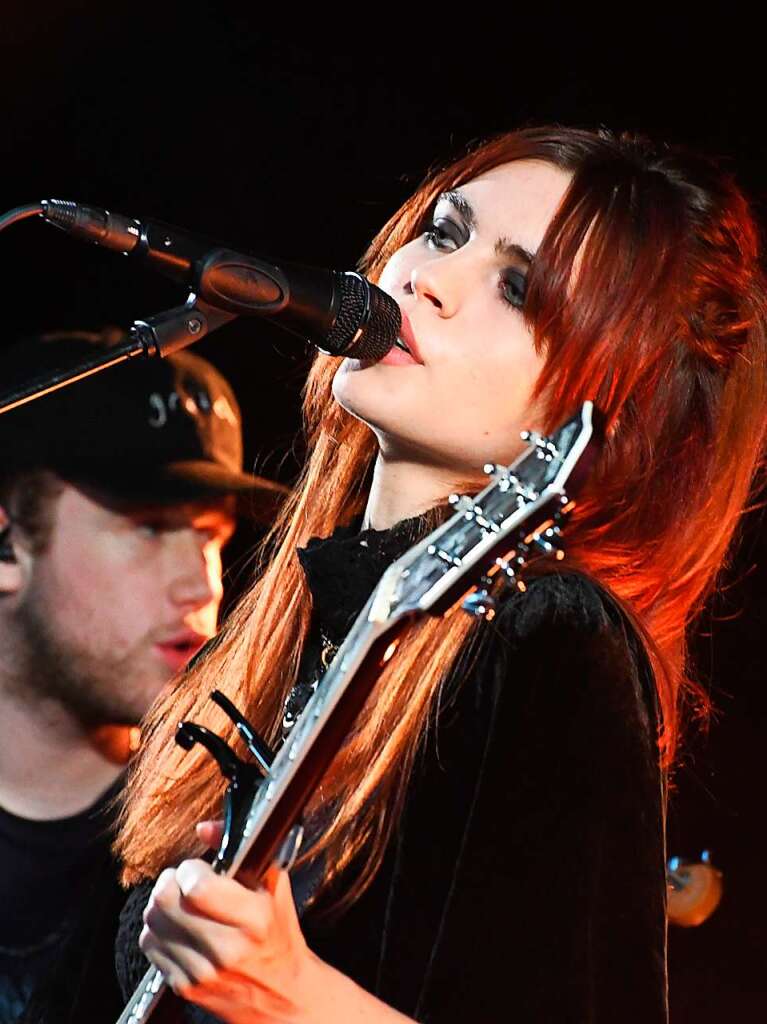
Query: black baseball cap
point(145, 431)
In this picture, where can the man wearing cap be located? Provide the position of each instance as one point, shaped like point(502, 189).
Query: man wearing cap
point(117, 495)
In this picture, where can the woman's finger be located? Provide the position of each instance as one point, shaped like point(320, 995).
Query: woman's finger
point(211, 833)
point(223, 900)
point(200, 947)
point(179, 971)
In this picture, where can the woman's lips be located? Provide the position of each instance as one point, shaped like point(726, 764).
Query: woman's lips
point(397, 355)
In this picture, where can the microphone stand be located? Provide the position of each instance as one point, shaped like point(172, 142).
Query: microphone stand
point(156, 337)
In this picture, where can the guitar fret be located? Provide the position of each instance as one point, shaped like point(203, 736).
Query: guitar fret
point(144, 998)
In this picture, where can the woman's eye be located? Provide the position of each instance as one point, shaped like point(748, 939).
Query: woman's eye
point(442, 234)
point(513, 286)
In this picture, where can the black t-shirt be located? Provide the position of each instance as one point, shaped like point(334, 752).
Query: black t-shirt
point(526, 878)
point(59, 903)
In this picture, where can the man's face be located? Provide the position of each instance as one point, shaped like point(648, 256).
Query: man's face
point(119, 601)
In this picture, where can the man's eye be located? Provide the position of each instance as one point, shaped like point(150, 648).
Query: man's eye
point(150, 529)
point(442, 234)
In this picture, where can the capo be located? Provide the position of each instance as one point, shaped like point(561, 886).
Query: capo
point(258, 747)
point(244, 776)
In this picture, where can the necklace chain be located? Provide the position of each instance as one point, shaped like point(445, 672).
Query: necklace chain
point(301, 693)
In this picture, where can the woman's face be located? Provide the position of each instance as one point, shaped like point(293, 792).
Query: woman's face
point(461, 397)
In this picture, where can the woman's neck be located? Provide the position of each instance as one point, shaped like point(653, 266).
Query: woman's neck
point(403, 488)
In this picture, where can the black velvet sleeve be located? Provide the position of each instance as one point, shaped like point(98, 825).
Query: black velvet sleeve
point(527, 880)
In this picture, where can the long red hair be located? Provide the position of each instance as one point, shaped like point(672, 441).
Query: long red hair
point(646, 295)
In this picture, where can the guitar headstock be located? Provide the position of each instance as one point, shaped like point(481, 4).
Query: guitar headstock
point(492, 536)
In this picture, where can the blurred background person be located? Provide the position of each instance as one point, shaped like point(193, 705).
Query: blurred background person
point(117, 497)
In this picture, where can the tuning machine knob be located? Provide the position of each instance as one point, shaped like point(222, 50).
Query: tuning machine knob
point(509, 569)
point(546, 449)
point(496, 470)
point(481, 604)
point(461, 502)
point(549, 542)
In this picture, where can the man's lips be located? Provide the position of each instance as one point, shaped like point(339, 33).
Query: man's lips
point(179, 648)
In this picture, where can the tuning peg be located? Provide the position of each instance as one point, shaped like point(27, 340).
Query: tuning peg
point(549, 542)
point(497, 470)
point(444, 556)
point(480, 604)
point(546, 449)
point(479, 517)
point(508, 572)
point(461, 502)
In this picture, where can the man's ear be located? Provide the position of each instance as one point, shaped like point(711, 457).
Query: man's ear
point(11, 576)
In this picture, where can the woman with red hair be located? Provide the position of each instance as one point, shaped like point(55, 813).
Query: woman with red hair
point(489, 843)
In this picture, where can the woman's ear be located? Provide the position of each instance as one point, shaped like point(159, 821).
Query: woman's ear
point(10, 570)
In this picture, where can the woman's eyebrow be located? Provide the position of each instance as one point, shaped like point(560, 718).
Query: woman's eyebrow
point(504, 247)
point(462, 205)
point(508, 250)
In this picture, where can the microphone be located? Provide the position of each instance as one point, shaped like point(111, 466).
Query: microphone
point(340, 312)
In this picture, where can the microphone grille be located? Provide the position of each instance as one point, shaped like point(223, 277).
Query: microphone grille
point(379, 329)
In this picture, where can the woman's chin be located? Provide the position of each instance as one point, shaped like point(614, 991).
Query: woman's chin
point(351, 388)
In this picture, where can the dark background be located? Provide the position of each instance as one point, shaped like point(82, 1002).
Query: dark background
point(298, 140)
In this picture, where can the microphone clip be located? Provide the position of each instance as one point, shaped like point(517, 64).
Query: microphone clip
point(177, 328)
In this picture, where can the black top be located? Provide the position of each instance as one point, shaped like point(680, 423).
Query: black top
point(60, 902)
point(526, 880)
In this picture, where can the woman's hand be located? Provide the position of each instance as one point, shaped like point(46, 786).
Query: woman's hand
point(239, 952)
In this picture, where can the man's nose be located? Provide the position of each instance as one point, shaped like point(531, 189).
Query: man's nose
point(196, 577)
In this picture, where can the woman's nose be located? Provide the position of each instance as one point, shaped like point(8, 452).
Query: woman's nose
point(434, 282)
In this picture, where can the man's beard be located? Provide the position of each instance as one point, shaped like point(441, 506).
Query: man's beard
point(91, 689)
